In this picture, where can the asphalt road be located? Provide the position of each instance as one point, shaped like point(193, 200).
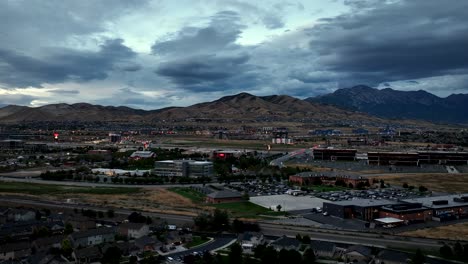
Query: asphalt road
point(215, 244)
point(92, 184)
point(362, 238)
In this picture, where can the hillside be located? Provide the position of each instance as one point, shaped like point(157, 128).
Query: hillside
point(389, 103)
point(242, 106)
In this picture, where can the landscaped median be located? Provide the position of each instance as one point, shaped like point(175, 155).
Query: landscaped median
point(198, 241)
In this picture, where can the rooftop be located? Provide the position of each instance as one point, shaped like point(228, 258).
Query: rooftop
point(224, 194)
point(364, 202)
point(445, 201)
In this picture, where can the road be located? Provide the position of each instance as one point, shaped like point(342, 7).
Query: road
point(215, 244)
point(171, 218)
point(362, 238)
point(279, 161)
point(92, 184)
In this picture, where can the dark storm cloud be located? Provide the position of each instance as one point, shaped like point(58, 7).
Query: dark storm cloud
point(220, 34)
point(205, 72)
point(405, 40)
point(20, 70)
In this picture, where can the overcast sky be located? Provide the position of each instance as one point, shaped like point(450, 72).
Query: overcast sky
point(154, 53)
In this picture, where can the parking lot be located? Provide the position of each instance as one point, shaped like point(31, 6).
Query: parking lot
point(385, 193)
point(287, 202)
point(258, 188)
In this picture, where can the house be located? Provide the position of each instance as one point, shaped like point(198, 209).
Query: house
point(133, 230)
point(19, 215)
point(87, 255)
point(223, 196)
point(93, 237)
point(17, 250)
point(46, 243)
point(287, 243)
point(323, 248)
point(45, 258)
point(357, 253)
point(81, 223)
point(127, 248)
point(146, 243)
point(249, 240)
point(391, 257)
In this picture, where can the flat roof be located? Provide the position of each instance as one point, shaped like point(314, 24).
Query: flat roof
point(363, 202)
point(388, 220)
point(427, 201)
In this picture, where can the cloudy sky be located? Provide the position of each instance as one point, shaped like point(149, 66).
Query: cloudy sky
point(155, 53)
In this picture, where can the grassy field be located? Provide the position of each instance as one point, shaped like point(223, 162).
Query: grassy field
point(196, 241)
point(189, 193)
point(441, 182)
point(247, 209)
point(454, 232)
point(45, 189)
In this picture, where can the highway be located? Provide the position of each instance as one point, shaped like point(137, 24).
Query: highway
point(93, 184)
point(270, 229)
point(362, 238)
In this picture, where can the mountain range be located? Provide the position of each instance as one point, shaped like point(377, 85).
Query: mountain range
point(241, 106)
point(395, 104)
point(356, 104)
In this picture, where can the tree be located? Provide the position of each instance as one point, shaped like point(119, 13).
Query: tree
point(405, 185)
point(68, 229)
point(278, 207)
point(66, 247)
point(446, 251)
point(110, 213)
point(306, 239)
point(422, 189)
point(235, 254)
point(308, 257)
point(382, 184)
point(112, 256)
point(418, 257)
point(458, 250)
point(133, 260)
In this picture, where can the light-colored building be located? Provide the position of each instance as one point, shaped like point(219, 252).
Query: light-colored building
point(183, 168)
point(133, 230)
point(93, 237)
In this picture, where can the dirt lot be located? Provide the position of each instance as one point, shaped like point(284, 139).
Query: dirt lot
point(440, 182)
point(152, 200)
point(454, 232)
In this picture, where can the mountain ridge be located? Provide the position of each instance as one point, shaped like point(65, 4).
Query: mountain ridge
point(390, 103)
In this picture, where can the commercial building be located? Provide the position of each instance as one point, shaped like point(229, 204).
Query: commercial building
point(334, 154)
point(447, 207)
point(11, 144)
point(223, 196)
point(183, 168)
point(417, 158)
point(137, 155)
point(443, 157)
point(393, 158)
point(407, 212)
point(364, 209)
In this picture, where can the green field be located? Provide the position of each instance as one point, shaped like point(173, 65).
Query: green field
point(196, 241)
point(48, 189)
point(247, 210)
point(195, 196)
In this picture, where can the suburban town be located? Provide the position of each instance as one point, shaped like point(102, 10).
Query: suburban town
point(233, 132)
